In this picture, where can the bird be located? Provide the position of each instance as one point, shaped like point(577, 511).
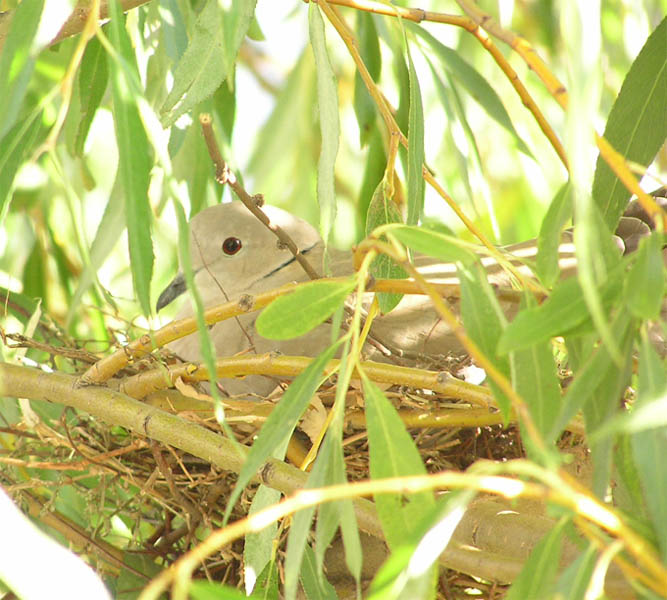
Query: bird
point(234, 254)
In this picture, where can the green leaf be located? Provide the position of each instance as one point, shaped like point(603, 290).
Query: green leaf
point(539, 571)
point(17, 62)
point(636, 126)
point(381, 211)
point(548, 241)
point(332, 515)
point(14, 148)
point(134, 162)
point(369, 48)
point(304, 309)
point(484, 322)
point(588, 377)
point(172, 29)
point(451, 103)
point(393, 454)
point(257, 546)
point(650, 446)
point(408, 571)
point(433, 243)
point(402, 76)
point(374, 169)
point(314, 585)
point(297, 540)
point(207, 590)
point(93, 77)
point(645, 283)
point(280, 424)
point(574, 581)
point(267, 586)
point(209, 57)
point(415, 147)
point(564, 310)
point(535, 379)
point(235, 24)
point(327, 102)
point(474, 83)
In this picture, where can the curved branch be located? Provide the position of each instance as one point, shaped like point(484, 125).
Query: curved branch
point(76, 21)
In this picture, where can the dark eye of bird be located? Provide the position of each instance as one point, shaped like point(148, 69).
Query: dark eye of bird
point(231, 246)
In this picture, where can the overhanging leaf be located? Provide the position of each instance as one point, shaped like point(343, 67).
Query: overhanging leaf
point(327, 102)
point(474, 83)
point(281, 421)
point(383, 210)
point(560, 211)
point(369, 48)
point(564, 310)
point(209, 57)
point(636, 126)
point(93, 78)
point(134, 161)
point(304, 309)
point(433, 243)
point(415, 147)
point(392, 454)
point(645, 283)
point(17, 61)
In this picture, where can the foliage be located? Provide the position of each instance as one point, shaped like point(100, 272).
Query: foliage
point(383, 124)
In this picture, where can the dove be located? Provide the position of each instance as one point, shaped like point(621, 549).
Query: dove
point(234, 254)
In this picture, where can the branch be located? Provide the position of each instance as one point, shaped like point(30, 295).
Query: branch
point(223, 174)
point(76, 21)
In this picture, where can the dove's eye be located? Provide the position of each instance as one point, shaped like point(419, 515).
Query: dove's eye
point(231, 246)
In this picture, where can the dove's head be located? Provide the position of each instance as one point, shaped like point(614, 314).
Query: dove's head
point(233, 253)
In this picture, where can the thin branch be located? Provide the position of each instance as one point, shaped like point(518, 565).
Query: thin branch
point(440, 382)
point(472, 27)
point(223, 174)
point(76, 21)
point(393, 128)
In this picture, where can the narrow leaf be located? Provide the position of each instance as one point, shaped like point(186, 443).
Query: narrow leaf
point(484, 322)
point(17, 61)
point(650, 446)
point(548, 241)
point(280, 424)
point(415, 148)
point(304, 309)
point(574, 581)
point(645, 283)
point(535, 378)
point(314, 585)
point(474, 83)
point(14, 148)
point(636, 126)
point(93, 77)
point(433, 243)
point(209, 58)
point(588, 377)
point(383, 210)
point(369, 48)
point(539, 572)
point(257, 547)
point(327, 102)
point(392, 454)
point(134, 161)
point(564, 310)
point(407, 573)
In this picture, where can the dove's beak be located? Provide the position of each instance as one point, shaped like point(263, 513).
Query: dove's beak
point(171, 292)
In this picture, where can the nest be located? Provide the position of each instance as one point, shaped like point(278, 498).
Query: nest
point(138, 503)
